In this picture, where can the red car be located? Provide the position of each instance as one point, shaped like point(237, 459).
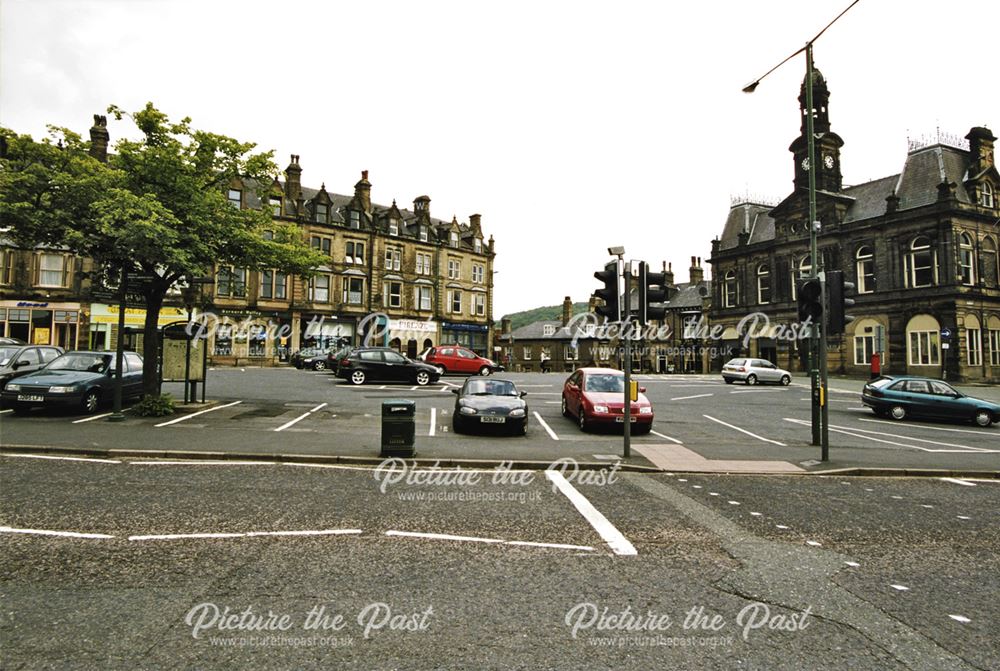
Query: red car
point(458, 359)
point(595, 396)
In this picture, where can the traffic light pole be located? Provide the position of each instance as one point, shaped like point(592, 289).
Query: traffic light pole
point(817, 350)
point(626, 336)
point(824, 401)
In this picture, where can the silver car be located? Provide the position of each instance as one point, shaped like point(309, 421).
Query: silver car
point(18, 360)
point(753, 371)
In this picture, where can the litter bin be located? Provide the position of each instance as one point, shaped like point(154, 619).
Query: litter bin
point(398, 428)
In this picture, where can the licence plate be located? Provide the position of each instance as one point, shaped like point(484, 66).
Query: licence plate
point(621, 420)
point(31, 398)
point(489, 419)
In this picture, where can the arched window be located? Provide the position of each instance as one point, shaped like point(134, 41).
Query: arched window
point(731, 290)
point(920, 263)
point(986, 195)
point(974, 340)
point(967, 259)
point(865, 269)
point(763, 284)
point(923, 338)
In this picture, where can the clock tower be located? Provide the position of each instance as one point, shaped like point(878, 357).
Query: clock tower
point(827, 144)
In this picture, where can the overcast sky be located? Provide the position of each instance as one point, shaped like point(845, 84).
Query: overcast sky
point(570, 126)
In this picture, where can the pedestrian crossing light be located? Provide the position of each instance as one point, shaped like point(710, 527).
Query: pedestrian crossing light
point(611, 293)
point(839, 303)
point(809, 292)
point(652, 294)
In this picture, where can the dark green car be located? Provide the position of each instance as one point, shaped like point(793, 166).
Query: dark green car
point(902, 396)
point(77, 380)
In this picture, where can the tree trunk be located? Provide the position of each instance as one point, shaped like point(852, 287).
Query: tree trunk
point(151, 343)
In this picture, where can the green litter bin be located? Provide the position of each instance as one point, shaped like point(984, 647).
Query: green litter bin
point(398, 428)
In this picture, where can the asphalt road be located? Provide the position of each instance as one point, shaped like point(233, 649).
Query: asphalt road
point(701, 424)
point(685, 571)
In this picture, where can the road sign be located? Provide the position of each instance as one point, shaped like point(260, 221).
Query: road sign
point(945, 333)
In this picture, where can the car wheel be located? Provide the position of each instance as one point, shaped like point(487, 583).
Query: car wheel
point(565, 408)
point(786, 380)
point(897, 412)
point(751, 379)
point(358, 377)
point(319, 365)
point(89, 402)
point(21, 408)
point(423, 378)
point(983, 418)
point(582, 420)
point(484, 371)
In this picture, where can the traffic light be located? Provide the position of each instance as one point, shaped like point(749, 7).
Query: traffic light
point(810, 296)
point(652, 289)
point(839, 303)
point(611, 293)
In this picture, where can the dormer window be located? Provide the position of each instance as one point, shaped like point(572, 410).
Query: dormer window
point(393, 226)
point(320, 213)
point(987, 197)
point(548, 330)
point(275, 206)
point(423, 234)
point(477, 245)
point(355, 219)
point(235, 197)
point(453, 239)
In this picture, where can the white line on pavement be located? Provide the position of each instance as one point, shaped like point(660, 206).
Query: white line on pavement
point(614, 538)
point(433, 421)
point(987, 432)
point(674, 440)
point(91, 419)
point(248, 534)
point(959, 482)
point(203, 462)
point(195, 414)
point(494, 541)
point(552, 434)
point(757, 391)
point(42, 456)
point(685, 398)
point(300, 418)
point(47, 532)
point(961, 448)
point(4, 412)
point(752, 435)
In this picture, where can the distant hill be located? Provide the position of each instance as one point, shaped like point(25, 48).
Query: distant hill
point(525, 317)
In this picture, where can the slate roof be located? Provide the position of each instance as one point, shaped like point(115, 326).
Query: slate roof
point(536, 331)
point(750, 217)
point(689, 295)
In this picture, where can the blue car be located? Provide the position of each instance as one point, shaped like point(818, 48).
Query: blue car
point(902, 396)
point(80, 380)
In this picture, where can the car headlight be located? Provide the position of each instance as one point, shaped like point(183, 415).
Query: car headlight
point(466, 410)
point(517, 412)
point(645, 410)
point(60, 390)
point(13, 386)
point(601, 408)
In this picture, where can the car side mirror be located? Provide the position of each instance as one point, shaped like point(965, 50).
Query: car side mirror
point(523, 394)
point(18, 364)
point(455, 391)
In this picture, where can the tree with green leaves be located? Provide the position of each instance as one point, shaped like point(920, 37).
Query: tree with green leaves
point(157, 208)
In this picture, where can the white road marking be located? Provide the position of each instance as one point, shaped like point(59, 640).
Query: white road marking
point(673, 440)
point(696, 486)
point(960, 618)
point(195, 414)
point(552, 434)
point(382, 387)
point(781, 526)
point(883, 422)
point(852, 564)
point(964, 517)
point(757, 391)
point(4, 412)
point(756, 514)
point(900, 588)
point(42, 456)
point(300, 418)
point(91, 419)
point(752, 435)
point(685, 398)
point(203, 462)
point(734, 503)
point(494, 541)
point(859, 433)
point(814, 544)
point(614, 538)
point(433, 421)
point(414, 388)
point(713, 493)
point(925, 505)
point(48, 532)
point(446, 388)
point(248, 534)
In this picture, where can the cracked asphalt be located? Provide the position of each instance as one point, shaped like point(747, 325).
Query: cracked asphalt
point(730, 572)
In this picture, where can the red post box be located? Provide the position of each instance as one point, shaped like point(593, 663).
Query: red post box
point(876, 365)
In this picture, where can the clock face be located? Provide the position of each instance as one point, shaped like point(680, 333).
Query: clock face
point(828, 161)
point(805, 163)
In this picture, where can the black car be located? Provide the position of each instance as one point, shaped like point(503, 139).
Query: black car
point(385, 365)
point(315, 361)
point(77, 380)
point(299, 357)
point(490, 403)
point(19, 360)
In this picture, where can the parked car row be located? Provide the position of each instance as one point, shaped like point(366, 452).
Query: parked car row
point(81, 380)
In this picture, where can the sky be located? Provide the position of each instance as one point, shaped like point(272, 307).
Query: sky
point(569, 126)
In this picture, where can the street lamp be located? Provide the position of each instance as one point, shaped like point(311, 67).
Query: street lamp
point(818, 377)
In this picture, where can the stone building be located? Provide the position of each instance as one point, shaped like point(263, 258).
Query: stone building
point(920, 247)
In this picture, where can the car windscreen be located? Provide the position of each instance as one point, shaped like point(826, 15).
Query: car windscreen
point(490, 388)
point(92, 363)
point(608, 383)
point(7, 354)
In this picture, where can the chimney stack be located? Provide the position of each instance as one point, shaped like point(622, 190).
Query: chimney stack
point(505, 326)
point(475, 223)
point(567, 311)
point(696, 273)
point(99, 138)
point(293, 180)
point(668, 273)
point(422, 207)
point(363, 192)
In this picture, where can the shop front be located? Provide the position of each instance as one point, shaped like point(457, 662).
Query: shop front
point(104, 325)
point(42, 323)
point(238, 337)
point(326, 331)
point(412, 336)
point(473, 336)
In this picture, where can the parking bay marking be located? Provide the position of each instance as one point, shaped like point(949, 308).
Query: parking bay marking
point(752, 435)
point(495, 541)
point(433, 421)
point(195, 414)
point(859, 433)
point(988, 432)
point(545, 426)
point(657, 433)
point(685, 398)
point(300, 417)
point(91, 419)
point(614, 538)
